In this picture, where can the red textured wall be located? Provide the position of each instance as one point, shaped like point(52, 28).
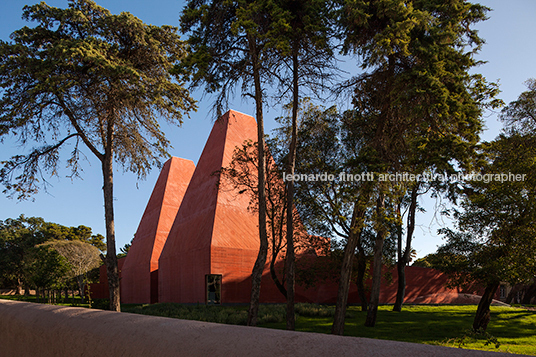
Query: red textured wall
point(185, 258)
point(424, 285)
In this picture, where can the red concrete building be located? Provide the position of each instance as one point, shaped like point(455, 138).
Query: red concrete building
point(197, 240)
point(214, 239)
point(140, 272)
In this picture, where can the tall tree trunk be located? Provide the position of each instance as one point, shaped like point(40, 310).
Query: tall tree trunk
point(290, 261)
point(277, 231)
point(483, 314)
point(258, 268)
point(81, 287)
point(403, 259)
point(377, 268)
point(19, 287)
point(361, 271)
point(356, 228)
point(276, 226)
point(400, 264)
point(111, 257)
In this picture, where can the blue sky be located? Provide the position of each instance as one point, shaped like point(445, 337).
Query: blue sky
point(509, 51)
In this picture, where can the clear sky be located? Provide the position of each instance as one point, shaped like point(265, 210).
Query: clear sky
point(510, 52)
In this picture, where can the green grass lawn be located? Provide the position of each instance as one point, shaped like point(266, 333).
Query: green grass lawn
point(515, 329)
point(447, 325)
point(60, 302)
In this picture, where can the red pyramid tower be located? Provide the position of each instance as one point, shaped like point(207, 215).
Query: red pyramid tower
point(213, 232)
point(139, 283)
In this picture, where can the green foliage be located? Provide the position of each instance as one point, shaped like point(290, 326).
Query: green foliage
point(226, 46)
point(81, 233)
point(274, 313)
point(495, 229)
point(86, 76)
point(520, 115)
point(124, 250)
point(81, 258)
point(434, 261)
point(315, 310)
point(21, 243)
point(17, 239)
point(47, 268)
point(494, 240)
point(417, 53)
point(473, 336)
point(70, 301)
point(101, 304)
point(194, 312)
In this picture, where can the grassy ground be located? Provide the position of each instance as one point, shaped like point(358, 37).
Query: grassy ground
point(77, 302)
point(513, 328)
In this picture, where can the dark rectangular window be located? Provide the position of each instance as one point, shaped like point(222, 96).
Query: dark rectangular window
point(213, 289)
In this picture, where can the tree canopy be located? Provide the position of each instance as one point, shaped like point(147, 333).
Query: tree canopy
point(26, 239)
point(494, 240)
point(85, 77)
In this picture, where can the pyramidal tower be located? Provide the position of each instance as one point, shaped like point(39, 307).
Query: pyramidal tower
point(214, 238)
point(139, 275)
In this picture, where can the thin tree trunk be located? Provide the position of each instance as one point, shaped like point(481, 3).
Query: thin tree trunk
point(19, 287)
point(377, 268)
point(483, 315)
point(400, 264)
point(347, 262)
point(290, 261)
point(278, 283)
point(403, 259)
point(81, 288)
point(275, 216)
point(361, 271)
point(258, 268)
point(111, 257)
